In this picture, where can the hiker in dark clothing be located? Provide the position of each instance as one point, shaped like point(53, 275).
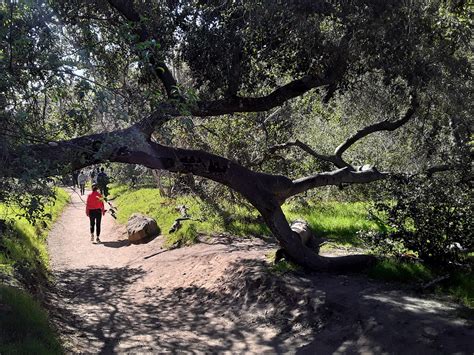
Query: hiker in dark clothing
point(93, 177)
point(102, 181)
point(75, 175)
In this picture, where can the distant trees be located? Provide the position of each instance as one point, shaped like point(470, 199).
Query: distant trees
point(87, 82)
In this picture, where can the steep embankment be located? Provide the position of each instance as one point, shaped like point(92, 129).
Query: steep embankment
point(24, 263)
point(222, 295)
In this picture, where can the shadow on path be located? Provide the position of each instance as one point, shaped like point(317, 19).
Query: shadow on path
point(107, 310)
point(117, 243)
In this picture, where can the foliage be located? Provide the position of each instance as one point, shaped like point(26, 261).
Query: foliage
point(431, 217)
point(24, 325)
point(461, 287)
point(22, 244)
point(458, 284)
point(79, 70)
point(70, 68)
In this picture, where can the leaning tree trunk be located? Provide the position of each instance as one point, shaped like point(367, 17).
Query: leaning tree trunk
point(266, 192)
point(302, 255)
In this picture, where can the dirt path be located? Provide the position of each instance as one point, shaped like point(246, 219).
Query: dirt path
point(219, 295)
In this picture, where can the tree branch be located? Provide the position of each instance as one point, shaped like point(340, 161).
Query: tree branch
point(336, 158)
point(337, 161)
point(263, 103)
point(347, 175)
point(238, 104)
point(385, 125)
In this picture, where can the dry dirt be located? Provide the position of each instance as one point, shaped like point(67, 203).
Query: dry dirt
point(220, 296)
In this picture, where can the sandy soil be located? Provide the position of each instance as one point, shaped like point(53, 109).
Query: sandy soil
point(220, 295)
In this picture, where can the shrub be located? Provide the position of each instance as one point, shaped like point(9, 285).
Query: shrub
point(429, 216)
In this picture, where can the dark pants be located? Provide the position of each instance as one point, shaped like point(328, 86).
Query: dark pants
point(74, 180)
point(83, 188)
point(104, 190)
point(95, 217)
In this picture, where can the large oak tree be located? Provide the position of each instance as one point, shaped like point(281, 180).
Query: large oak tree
point(137, 65)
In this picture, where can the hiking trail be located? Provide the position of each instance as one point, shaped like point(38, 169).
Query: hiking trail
point(219, 295)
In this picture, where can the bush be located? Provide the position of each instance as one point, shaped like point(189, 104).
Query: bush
point(429, 216)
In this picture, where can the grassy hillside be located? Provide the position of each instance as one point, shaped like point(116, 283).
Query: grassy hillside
point(24, 325)
point(24, 245)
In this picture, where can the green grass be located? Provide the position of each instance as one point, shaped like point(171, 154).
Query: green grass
point(25, 244)
point(24, 326)
point(338, 222)
point(407, 272)
point(461, 287)
point(149, 202)
point(283, 266)
point(163, 210)
point(186, 235)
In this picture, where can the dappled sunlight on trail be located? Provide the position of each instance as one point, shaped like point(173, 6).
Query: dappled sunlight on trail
point(221, 295)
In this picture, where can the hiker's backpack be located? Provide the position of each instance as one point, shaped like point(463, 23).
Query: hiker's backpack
point(102, 179)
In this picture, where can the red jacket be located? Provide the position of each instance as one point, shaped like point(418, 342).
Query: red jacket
point(95, 202)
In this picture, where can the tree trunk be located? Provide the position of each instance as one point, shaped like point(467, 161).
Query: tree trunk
point(266, 192)
point(304, 256)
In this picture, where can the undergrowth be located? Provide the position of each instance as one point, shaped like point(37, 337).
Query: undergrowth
point(24, 327)
point(461, 287)
point(23, 245)
point(459, 284)
point(392, 270)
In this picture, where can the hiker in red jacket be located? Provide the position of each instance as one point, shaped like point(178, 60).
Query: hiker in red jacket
point(95, 210)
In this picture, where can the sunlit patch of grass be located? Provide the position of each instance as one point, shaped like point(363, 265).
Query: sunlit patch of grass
point(335, 221)
point(24, 327)
point(164, 210)
point(25, 243)
point(186, 235)
point(284, 266)
point(281, 267)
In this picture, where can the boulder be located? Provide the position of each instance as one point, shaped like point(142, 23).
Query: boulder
point(141, 227)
